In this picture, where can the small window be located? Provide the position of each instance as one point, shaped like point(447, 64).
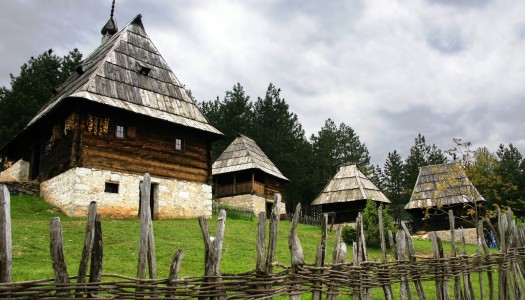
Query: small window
point(178, 144)
point(111, 187)
point(120, 132)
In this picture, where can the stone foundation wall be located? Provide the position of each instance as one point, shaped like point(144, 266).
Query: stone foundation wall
point(29, 188)
point(248, 202)
point(73, 190)
point(470, 235)
point(19, 171)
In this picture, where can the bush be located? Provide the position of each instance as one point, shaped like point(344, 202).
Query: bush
point(349, 235)
point(371, 224)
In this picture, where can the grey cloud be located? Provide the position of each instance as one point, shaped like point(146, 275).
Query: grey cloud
point(446, 40)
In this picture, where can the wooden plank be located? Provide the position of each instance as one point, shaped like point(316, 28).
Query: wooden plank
point(57, 256)
point(6, 244)
point(145, 220)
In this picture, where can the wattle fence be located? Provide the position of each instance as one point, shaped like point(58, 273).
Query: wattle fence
point(458, 275)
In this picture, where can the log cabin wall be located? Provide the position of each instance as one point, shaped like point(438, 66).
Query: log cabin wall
point(143, 145)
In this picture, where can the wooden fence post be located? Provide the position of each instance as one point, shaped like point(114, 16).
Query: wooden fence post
point(213, 251)
point(57, 256)
point(387, 289)
point(405, 291)
point(88, 244)
point(6, 245)
point(147, 241)
point(296, 251)
point(95, 269)
point(320, 259)
point(338, 257)
point(260, 265)
point(453, 254)
point(412, 259)
point(274, 228)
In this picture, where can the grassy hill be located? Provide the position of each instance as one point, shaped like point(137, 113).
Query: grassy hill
point(31, 258)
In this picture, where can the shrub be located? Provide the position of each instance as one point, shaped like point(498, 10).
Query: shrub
point(349, 235)
point(371, 224)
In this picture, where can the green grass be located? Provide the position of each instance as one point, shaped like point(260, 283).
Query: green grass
point(31, 258)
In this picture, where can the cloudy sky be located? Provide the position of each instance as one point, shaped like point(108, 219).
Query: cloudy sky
point(389, 69)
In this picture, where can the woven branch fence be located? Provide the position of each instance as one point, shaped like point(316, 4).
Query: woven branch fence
point(500, 275)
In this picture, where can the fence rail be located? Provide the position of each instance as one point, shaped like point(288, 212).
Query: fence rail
point(450, 275)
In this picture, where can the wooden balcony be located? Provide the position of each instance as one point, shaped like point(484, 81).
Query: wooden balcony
point(246, 188)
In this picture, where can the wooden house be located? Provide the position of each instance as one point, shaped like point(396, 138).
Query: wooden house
point(438, 189)
point(347, 193)
point(244, 177)
point(123, 113)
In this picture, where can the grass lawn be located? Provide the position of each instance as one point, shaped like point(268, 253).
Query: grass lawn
point(31, 258)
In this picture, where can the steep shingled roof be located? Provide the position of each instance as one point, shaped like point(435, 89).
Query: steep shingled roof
point(244, 154)
point(128, 72)
point(348, 185)
point(441, 185)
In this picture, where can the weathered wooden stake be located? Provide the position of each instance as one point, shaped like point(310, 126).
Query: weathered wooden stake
point(320, 259)
point(57, 255)
point(260, 265)
point(453, 253)
point(6, 245)
point(146, 242)
point(467, 282)
point(485, 249)
point(95, 270)
point(274, 228)
point(405, 291)
point(387, 289)
point(213, 250)
point(175, 266)
point(412, 259)
point(296, 251)
point(88, 243)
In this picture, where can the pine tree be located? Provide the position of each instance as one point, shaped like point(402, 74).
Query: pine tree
point(31, 89)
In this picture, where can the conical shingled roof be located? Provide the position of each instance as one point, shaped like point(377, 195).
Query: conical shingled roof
point(348, 185)
point(128, 72)
point(441, 185)
point(244, 154)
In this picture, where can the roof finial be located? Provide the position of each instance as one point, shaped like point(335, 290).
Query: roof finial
point(111, 26)
point(112, 9)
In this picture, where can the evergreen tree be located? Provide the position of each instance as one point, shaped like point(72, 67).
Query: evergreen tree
point(510, 168)
point(32, 89)
point(420, 155)
point(371, 224)
point(282, 138)
point(335, 146)
point(231, 116)
point(393, 185)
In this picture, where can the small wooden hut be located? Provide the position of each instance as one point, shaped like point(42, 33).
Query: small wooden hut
point(347, 193)
point(438, 189)
point(244, 177)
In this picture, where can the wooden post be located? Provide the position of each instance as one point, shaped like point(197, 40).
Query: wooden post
point(95, 270)
point(387, 289)
point(6, 244)
point(274, 228)
point(88, 243)
point(296, 251)
point(412, 259)
point(146, 242)
point(467, 282)
point(57, 255)
point(213, 250)
point(405, 291)
point(453, 254)
point(260, 266)
point(320, 258)
point(175, 266)
point(439, 278)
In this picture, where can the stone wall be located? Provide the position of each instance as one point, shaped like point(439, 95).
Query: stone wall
point(19, 171)
point(470, 235)
point(248, 202)
point(30, 188)
point(73, 190)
